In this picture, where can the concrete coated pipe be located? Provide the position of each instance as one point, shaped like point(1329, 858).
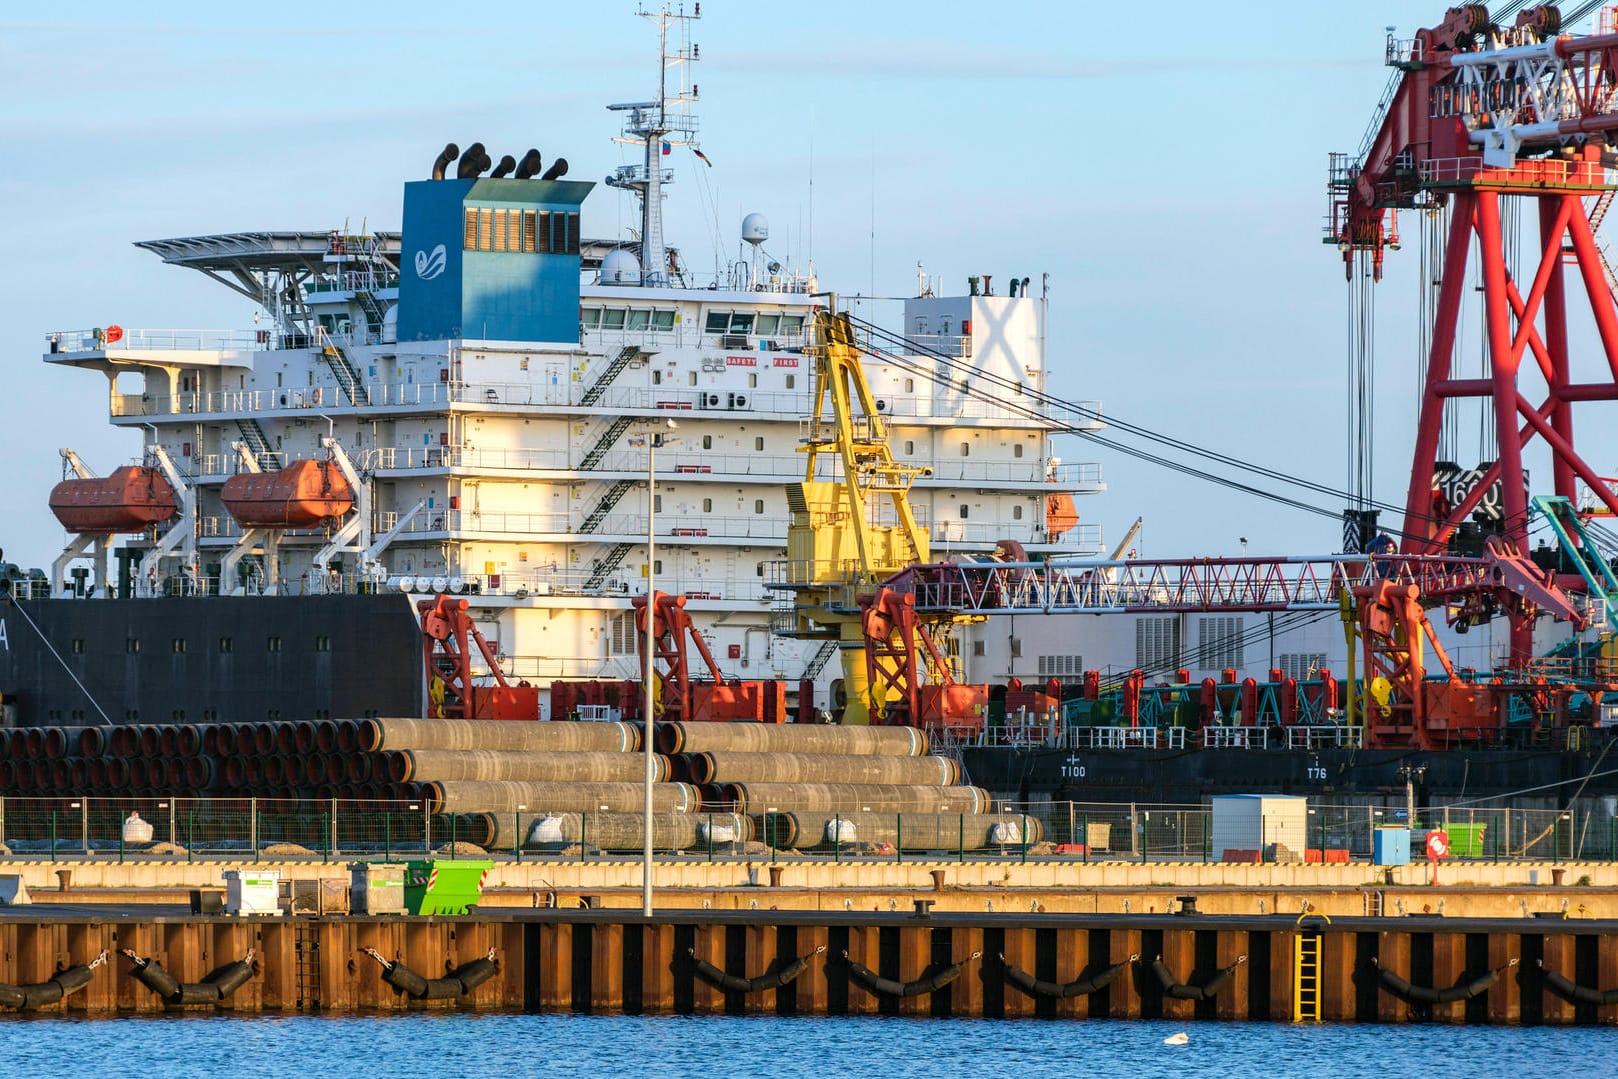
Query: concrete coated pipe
point(471, 796)
point(609, 831)
point(790, 738)
point(854, 798)
point(92, 741)
point(562, 736)
point(725, 767)
point(426, 765)
point(902, 831)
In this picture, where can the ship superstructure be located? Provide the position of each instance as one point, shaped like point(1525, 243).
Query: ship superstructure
point(488, 375)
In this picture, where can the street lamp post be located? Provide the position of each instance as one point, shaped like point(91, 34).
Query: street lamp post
point(653, 440)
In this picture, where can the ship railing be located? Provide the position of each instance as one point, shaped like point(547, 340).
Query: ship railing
point(1123, 738)
point(1328, 736)
point(138, 340)
point(1235, 737)
point(943, 344)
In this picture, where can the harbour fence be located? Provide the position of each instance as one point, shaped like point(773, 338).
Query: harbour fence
point(265, 828)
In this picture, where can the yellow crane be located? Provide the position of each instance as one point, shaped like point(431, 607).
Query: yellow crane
point(850, 532)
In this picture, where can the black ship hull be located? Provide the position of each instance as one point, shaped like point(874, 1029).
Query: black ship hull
point(1186, 776)
point(213, 659)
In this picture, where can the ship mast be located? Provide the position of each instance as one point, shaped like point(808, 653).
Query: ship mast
point(659, 126)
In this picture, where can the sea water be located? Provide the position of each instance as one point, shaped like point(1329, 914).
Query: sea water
point(581, 1047)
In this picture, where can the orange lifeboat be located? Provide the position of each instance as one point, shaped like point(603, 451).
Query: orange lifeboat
point(299, 496)
point(129, 500)
point(1061, 515)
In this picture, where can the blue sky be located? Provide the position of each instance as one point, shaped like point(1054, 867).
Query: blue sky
point(1167, 171)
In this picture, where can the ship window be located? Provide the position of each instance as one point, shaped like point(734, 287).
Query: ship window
point(1016, 513)
point(966, 449)
point(767, 324)
point(741, 322)
point(1301, 665)
point(791, 323)
point(1157, 643)
point(707, 442)
point(497, 241)
point(1061, 666)
point(322, 644)
point(528, 230)
point(758, 444)
point(707, 505)
point(657, 504)
point(469, 241)
point(758, 505)
point(691, 377)
point(613, 318)
point(758, 570)
point(273, 644)
point(639, 318)
point(227, 644)
point(752, 381)
point(1219, 642)
point(590, 317)
point(718, 322)
point(78, 646)
point(485, 229)
point(132, 645)
point(662, 320)
point(792, 380)
point(910, 448)
point(657, 378)
point(179, 645)
point(978, 648)
point(966, 511)
point(1016, 449)
point(910, 385)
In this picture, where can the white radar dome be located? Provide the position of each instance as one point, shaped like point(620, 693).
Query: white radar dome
point(755, 229)
point(620, 268)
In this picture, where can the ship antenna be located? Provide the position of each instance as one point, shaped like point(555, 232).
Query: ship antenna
point(658, 126)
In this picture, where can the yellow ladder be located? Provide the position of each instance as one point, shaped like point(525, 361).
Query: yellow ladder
point(1306, 977)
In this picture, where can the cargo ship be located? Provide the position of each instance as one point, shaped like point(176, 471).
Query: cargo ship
point(438, 476)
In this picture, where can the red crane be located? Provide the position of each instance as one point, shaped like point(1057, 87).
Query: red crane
point(1482, 114)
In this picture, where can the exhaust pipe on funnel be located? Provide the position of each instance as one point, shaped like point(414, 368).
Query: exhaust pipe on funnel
point(451, 152)
point(507, 163)
point(528, 167)
point(473, 162)
point(557, 170)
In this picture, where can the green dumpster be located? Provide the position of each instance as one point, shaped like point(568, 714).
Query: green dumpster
point(440, 886)
point(1466, 840)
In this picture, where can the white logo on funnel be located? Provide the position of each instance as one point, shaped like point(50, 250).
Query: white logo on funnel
point(430, 266)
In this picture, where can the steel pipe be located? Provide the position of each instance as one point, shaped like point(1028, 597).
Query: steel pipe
point(559, 736)
point(854, 797)
point(790, 738)
point(426, 765)
point(726, 767)
point(906, 831)
point(469, 796)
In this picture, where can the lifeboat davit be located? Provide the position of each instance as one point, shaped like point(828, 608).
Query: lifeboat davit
point(129, 500)
point(299, 496)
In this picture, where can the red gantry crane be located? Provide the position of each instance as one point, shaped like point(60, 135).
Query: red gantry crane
point(1481, 114)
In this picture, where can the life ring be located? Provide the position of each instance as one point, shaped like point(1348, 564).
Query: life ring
point(317, 395)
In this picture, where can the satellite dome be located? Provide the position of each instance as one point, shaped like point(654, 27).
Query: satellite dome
point(620, 268)
point(755, 229)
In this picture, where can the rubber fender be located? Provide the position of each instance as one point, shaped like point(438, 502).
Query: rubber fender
point(26, 997)
point(230, 977)
point(405, 980)
point(933, 979)
point(1402, 988)
point(1034, 987)
point(1179, 990)
point(195, 993)
point(775, 977)
point(1577, 994)
point(473, 974)
point(442, 989)
point(150, 973)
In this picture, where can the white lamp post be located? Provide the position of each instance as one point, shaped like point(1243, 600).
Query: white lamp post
point(653, 440)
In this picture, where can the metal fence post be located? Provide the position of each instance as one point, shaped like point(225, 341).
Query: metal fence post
point(960, 839)
point(252, 825)
point(1084, 825)
point(333, 846)
point(387, 836)
point(84, 823)
point(53, 835)
point(190, 835)
point(898, 837)
point(426, 828)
